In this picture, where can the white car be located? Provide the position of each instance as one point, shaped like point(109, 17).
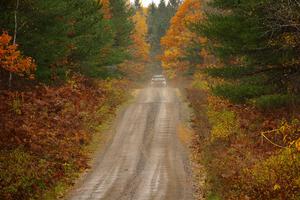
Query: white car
point(158, 81)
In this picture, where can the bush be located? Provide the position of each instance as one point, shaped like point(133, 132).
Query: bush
point(53, 125)
point(273, 101)
point(239, 93)
point(224, 124)
point(29, 175)
point(201, 85)
point(278, 177)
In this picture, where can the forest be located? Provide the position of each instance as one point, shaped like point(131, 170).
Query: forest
point(67, 66)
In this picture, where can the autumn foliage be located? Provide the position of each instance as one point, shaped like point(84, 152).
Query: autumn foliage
point(247, 153)
point(140, 48)
point(106, 9)
point(179, 37)
point(44, 132)
point(11, 58)
point(135, 68)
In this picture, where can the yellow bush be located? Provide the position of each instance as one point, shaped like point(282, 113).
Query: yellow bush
point(224, 124)
point(275, 178)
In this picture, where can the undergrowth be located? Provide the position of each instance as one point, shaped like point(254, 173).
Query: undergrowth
point(46, 131)
point(248, 152)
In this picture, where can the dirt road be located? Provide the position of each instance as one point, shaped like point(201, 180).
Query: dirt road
point(145, 159)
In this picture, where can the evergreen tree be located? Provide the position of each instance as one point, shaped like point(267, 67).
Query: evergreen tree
point(158, 22)
point(137, 4)
point(122, 27)
point(162, 5)
point(152, 9)
point(162, 22)
point(87, 36)
point(259, 43)
point(43, 34)
point(173, 3)
point(69, 35)
point(172, 7)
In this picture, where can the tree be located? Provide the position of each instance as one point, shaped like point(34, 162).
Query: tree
point(11, 58)
point(137, 4)
point(258, 42)
point(158, 22)
point(162, 20)
point(179, 39)
point(151, 23)
point(140, 47)
point(72, 35)
point(135, 68)
point(122, 24)
point(122, 28)
point(162, 5)
point(87, 36)
point(173, 6)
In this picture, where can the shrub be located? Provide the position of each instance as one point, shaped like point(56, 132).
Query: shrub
point(278, 177)
point(25, 178)
point(202, 85)
point(53, 125)
point(223, 123)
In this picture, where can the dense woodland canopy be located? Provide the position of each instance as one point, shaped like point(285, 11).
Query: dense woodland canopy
point(158, 21)
point(68, 35)
point(261, 49)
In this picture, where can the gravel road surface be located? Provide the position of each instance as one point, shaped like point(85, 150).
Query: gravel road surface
point(145, 159)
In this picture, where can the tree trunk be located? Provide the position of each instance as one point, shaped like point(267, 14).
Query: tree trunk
point(15, 38)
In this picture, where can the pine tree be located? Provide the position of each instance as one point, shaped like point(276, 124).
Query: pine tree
point(137, 4)
point(121, 22)
point(259, 43)
point(151, 23)
point(122, 27)
point(162, 5)
point(70, 35)
point(87, 36)
point(158, 22)
point(173, 6)
point(43, 35)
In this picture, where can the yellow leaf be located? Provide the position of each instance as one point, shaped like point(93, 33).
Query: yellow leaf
point(277, 187)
